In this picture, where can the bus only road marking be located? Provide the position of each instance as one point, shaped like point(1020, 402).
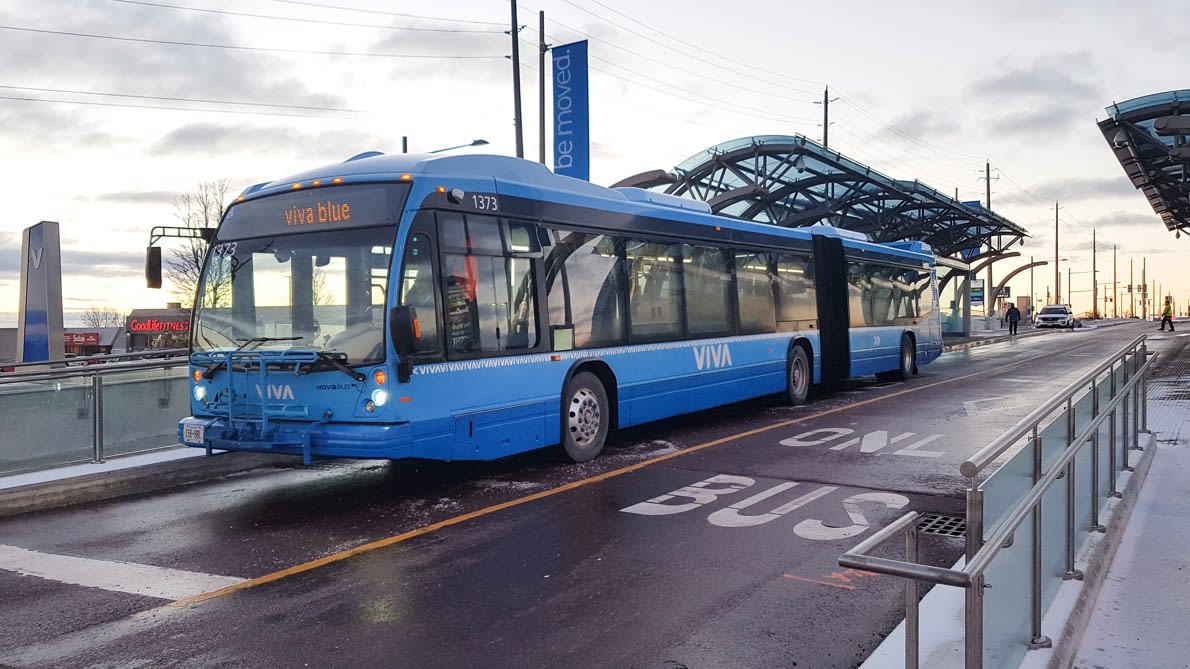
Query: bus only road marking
point(456, 520)
point(137, 579)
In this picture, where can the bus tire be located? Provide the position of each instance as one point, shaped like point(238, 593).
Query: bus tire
point(908, 362)
point(586, 416)
point(798, 377)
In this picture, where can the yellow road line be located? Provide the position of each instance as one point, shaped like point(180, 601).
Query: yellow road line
point(433, 527)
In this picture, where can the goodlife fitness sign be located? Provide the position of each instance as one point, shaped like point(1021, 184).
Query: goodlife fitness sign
point(157, 325)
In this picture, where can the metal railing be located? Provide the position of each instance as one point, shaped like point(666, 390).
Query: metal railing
point(1009, 485)
point(76, 410)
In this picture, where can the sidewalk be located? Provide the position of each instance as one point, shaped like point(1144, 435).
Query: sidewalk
point(1138, 620)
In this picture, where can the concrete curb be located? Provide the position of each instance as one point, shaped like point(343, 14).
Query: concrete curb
point(132, 480)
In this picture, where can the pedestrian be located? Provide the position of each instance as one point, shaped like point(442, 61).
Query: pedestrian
point(1167, 315)
point(1013, 316)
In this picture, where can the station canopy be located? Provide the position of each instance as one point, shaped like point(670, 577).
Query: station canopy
point(1148, 135)
point(795, 182)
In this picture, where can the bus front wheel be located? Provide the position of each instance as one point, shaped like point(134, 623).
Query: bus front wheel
point(585, 417)
point(799, 376)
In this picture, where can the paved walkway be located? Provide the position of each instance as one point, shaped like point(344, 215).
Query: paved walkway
point(1139, 617)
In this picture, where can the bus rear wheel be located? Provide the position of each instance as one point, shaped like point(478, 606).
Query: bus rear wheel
point(798, 390)
point(908, 361)
point(586, 417)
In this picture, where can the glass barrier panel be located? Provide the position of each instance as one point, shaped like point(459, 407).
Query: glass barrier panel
point(1008, 483)
point(47, 423)
point(141, 410)
point(1006, 605)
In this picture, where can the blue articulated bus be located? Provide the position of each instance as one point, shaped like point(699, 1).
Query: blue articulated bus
point(472, 307)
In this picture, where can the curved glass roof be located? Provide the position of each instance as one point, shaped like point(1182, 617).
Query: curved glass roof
point(1148, 135)
point(792, 181)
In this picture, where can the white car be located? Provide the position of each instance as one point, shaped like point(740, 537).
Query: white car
point(1054, 316)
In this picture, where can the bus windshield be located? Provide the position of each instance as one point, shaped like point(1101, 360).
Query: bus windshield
point(320, 290)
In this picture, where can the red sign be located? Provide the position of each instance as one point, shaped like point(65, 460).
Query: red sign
point(83, 338)
point(155, 325)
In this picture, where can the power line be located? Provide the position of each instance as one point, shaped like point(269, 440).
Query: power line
point(687, 55)
point(322, 5)
point(302, 20)
point(177, 99)
point(242, 48)
point(162, 107)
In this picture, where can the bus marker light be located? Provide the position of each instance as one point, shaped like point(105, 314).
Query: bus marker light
point(406, 177)
point(555, 358)
point(316, 182)
point(441, 189)
point(379, 377)
point(337, 180)
point(416, 328)
point(197, 375)
point(296, 186)
point(405, 399)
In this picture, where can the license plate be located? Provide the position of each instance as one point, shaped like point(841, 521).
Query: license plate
point(192, 434)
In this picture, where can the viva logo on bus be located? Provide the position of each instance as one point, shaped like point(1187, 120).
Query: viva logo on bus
point(712, 356)
point(322, 212)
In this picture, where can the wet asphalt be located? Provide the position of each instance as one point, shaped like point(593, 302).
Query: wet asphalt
point(705, 541)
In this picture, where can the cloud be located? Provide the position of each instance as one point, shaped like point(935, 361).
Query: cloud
point(81, 66)
point(1050, 95)
point(1075, 189)
point(155, 197)
point(1053, 76)
point(205, 139)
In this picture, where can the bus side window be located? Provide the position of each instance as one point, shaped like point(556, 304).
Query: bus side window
point(585, 287)
point(754, 288)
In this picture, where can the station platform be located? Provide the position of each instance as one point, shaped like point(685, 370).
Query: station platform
point(1134, 621)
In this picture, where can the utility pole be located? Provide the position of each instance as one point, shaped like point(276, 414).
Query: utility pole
point(1144, 282)
point(542, 47)
point(1057, 276)
point(1115, 287)
point(1094, 279)
point(516, 83)
point(826, 116)
point(987, 178)
point(1131, 290)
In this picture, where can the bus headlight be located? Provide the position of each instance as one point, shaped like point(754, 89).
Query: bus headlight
point(200, 393)
point(380, 397)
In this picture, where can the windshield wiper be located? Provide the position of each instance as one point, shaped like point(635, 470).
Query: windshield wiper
point(254, 341)
point(338, 364)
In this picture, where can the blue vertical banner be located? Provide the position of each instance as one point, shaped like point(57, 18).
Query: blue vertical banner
point(572, 114)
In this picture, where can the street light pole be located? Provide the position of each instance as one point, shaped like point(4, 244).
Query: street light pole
point(474, 142)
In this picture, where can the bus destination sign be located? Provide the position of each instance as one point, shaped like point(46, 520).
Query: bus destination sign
point(314, 209)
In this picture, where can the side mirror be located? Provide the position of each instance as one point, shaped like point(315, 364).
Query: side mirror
point(153, 267)
point(405, 331)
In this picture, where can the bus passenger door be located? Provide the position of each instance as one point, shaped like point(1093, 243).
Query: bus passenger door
point(830, 277)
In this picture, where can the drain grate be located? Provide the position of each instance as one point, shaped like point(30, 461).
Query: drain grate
point(946, 526)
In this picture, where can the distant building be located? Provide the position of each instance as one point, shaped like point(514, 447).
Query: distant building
point(79, 342)
point(154, 329)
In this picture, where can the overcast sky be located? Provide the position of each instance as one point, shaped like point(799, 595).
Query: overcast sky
point(110, 108)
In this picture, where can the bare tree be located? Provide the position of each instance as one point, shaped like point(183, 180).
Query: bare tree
point(200, 207)
point(103, 317)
